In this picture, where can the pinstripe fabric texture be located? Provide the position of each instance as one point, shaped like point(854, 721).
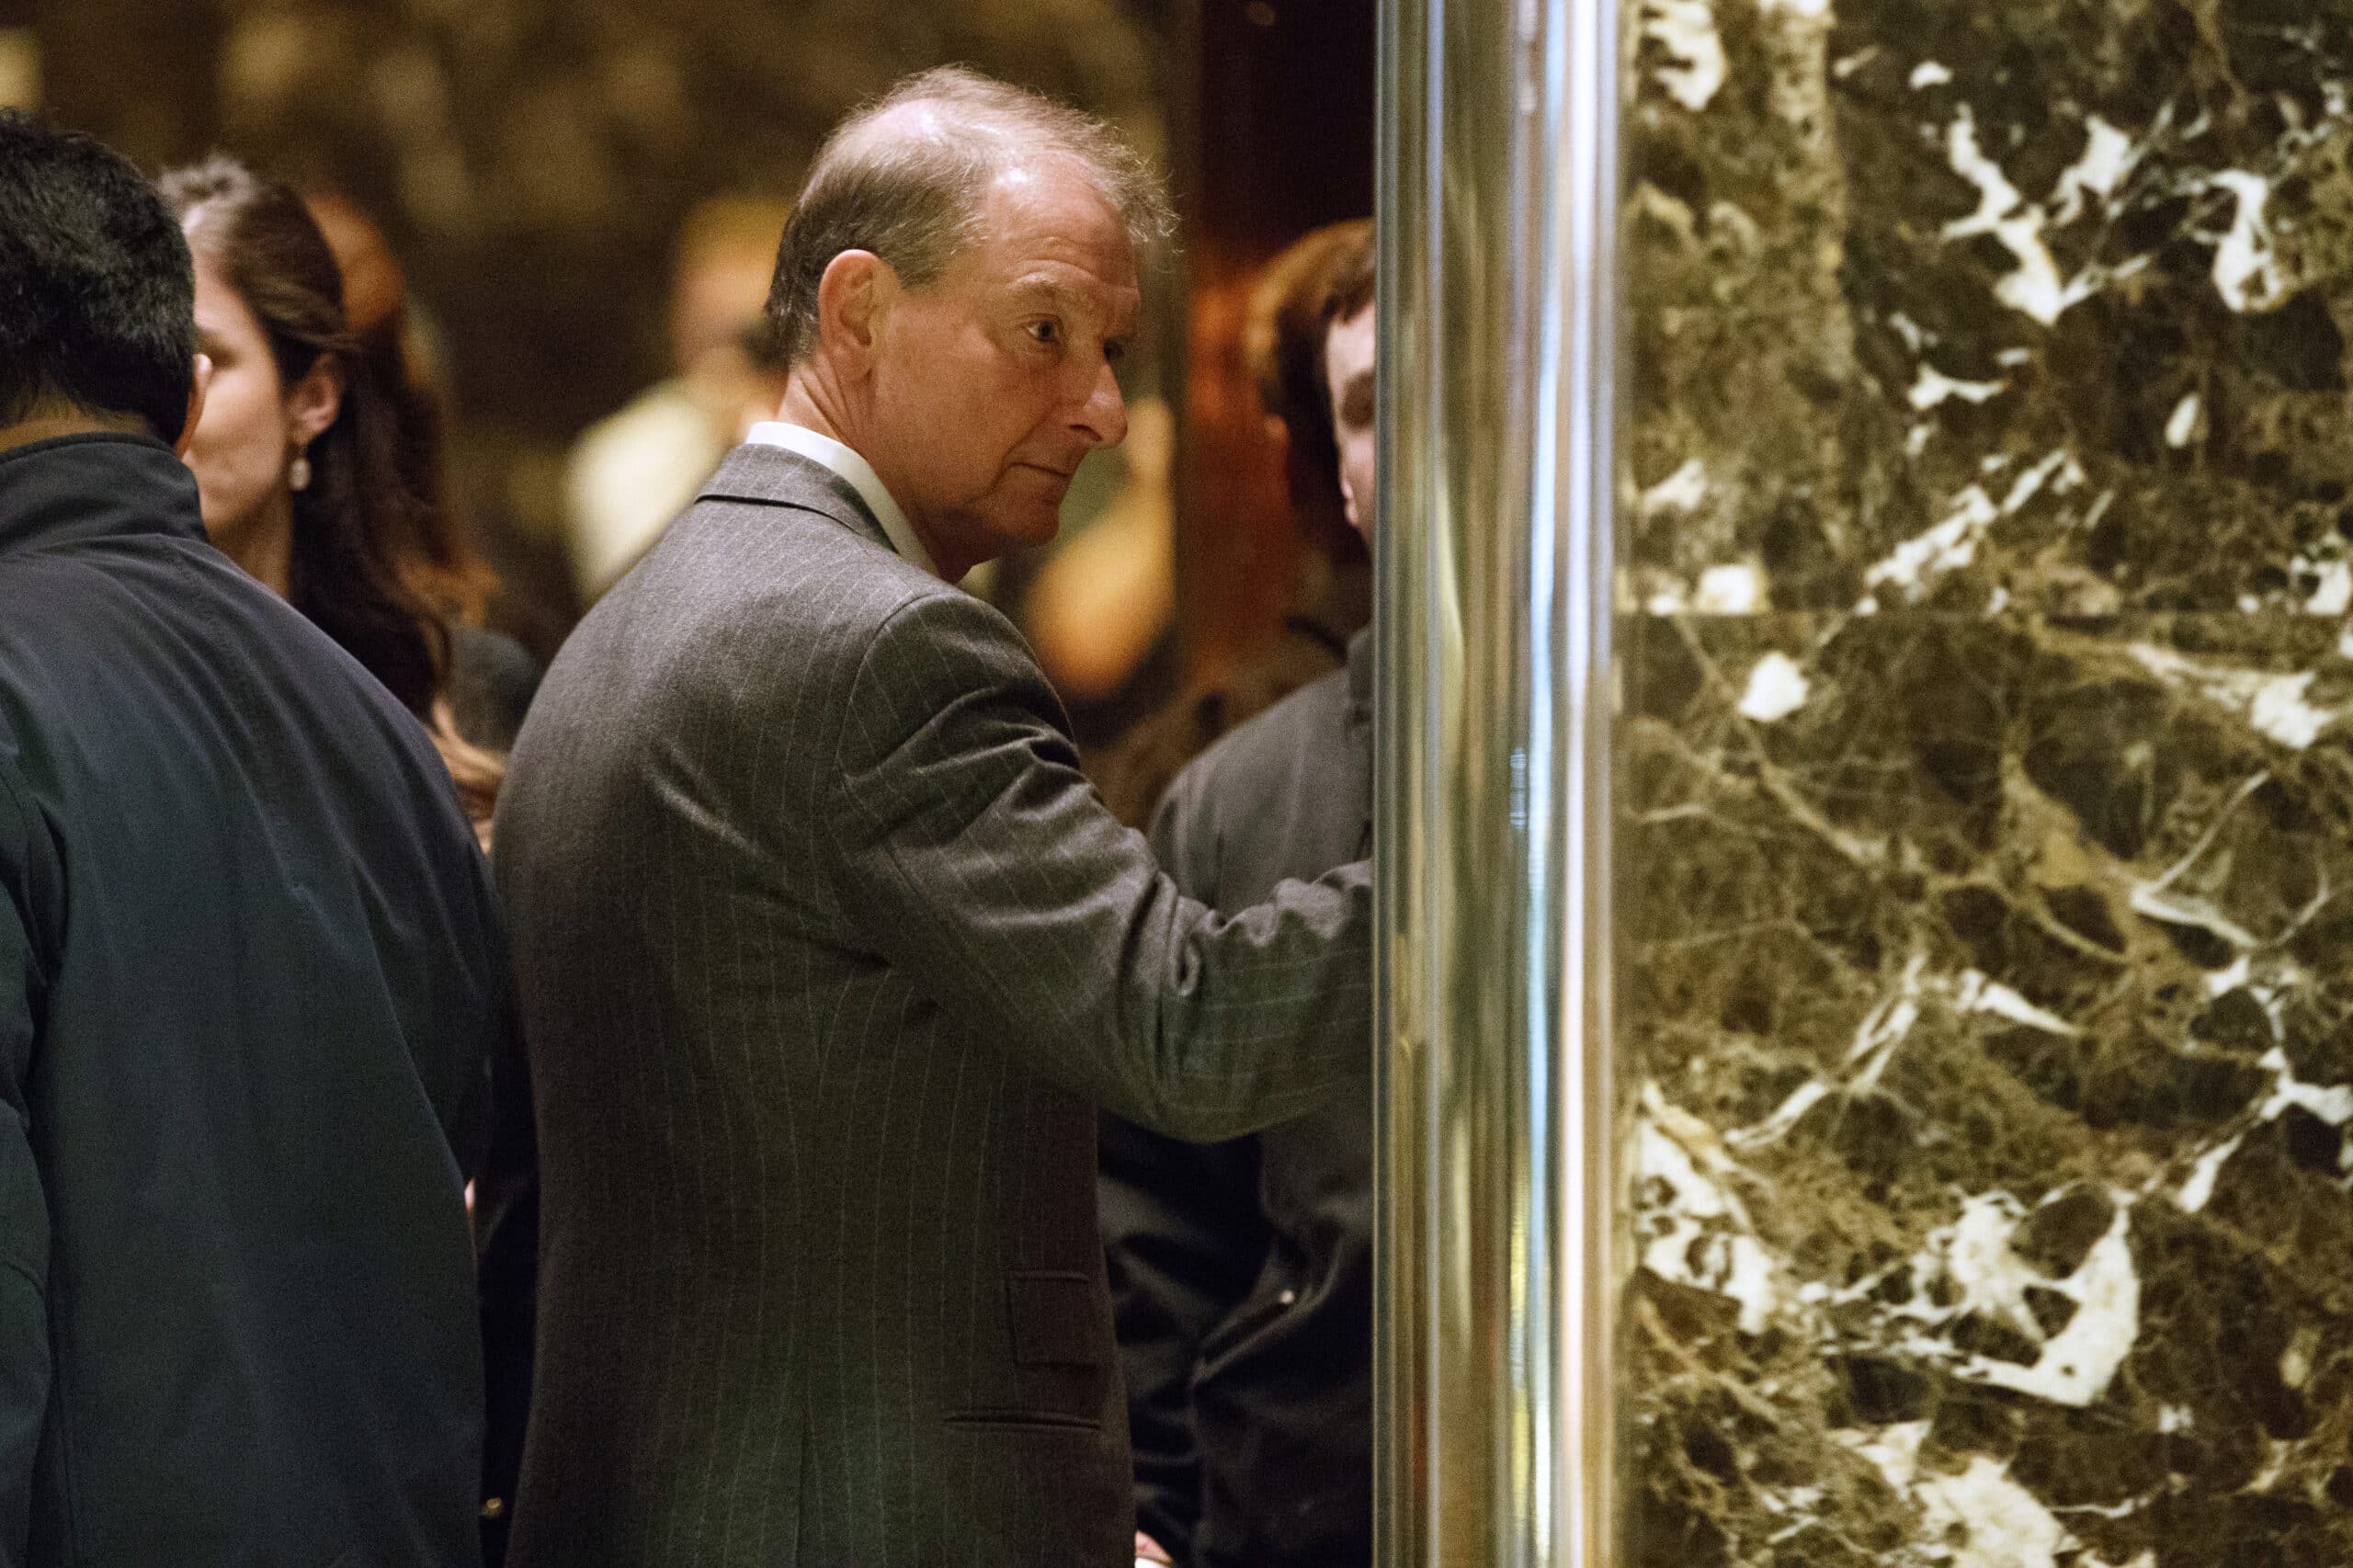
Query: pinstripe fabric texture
point(828, 953)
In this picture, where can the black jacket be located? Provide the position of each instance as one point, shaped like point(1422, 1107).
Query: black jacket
point(1241, 1272)
point(249, 972)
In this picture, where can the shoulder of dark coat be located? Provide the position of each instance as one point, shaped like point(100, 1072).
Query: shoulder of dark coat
point(1254, 761)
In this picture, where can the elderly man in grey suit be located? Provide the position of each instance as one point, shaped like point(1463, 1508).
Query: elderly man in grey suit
point(827, 951)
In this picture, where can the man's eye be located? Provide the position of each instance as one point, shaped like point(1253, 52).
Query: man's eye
point(1046, 331)
point(1115, 352)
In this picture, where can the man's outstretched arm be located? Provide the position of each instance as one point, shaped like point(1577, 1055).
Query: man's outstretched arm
point(979, 860)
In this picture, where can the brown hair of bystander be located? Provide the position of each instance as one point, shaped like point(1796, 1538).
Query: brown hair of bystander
point(356, 571)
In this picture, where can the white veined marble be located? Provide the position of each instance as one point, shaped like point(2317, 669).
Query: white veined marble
point(2272, 702)
point(1703, 1237)
point(1999, 1523)
point(2246, 270)
point(2184, 423)
point(2036, 289)
point(2333, 593)
point(1934, 387)
point(1777, 688)
point(2108, 159)
point(1681, 490)
point(1687, 30)
point(1735, 588)
point(1914, 565)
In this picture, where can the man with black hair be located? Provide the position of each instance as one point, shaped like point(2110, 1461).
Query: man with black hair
point(250, 973)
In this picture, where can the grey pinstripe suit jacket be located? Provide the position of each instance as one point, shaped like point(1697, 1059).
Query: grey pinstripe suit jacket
point(828, 953)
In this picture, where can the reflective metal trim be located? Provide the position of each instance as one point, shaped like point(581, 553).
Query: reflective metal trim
point(1498, 1186)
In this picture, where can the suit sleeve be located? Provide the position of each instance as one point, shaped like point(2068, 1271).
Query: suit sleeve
point(976, 857)
point(1183, 1237)
point(23, 1206)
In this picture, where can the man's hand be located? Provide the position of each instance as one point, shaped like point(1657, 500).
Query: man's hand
point(1148, 1551)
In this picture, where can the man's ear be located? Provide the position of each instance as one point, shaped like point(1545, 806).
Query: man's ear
point(854, 298)
point(198, 384)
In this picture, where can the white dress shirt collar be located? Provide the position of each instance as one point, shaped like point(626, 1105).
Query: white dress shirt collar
point(860, 474)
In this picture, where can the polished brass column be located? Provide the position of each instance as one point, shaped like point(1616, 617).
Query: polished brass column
point(1497, 1182)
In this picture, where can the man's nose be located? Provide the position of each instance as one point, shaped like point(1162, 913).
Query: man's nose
point(1103, 417)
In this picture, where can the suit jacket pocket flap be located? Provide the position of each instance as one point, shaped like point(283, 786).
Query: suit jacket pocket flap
point(1054, 1318)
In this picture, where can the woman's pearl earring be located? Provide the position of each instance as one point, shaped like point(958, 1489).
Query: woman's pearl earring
point(298, 473)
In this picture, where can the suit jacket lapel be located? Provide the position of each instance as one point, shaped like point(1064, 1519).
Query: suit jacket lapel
point(775, 476)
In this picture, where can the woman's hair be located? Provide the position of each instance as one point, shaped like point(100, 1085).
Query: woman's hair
point(375, 300)
point(360, 569)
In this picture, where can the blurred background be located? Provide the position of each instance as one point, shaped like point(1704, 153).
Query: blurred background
point(568, 209)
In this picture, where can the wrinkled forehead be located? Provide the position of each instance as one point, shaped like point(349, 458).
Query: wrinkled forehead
point(1046, 231)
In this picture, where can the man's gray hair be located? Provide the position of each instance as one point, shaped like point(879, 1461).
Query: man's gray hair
point(916, 197)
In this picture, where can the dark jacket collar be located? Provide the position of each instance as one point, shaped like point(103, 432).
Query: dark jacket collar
point(94, 486)
point(777, 476)
point(1360, 678)
point(1359, 718)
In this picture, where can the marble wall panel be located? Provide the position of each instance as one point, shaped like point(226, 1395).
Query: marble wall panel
point(1985, 772)
point(1989, 1001)
point(1965, 306)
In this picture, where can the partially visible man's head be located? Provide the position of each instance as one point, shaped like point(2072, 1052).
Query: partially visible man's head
point(1349, 349)
point(720, 272)
point(957, 281)
point(98, 314)
point(907, 178)
point(1282, 340)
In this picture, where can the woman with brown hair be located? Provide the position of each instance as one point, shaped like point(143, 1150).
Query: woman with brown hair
point(299, 461)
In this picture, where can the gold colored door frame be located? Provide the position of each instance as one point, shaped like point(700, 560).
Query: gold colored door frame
point(1497, 1180)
